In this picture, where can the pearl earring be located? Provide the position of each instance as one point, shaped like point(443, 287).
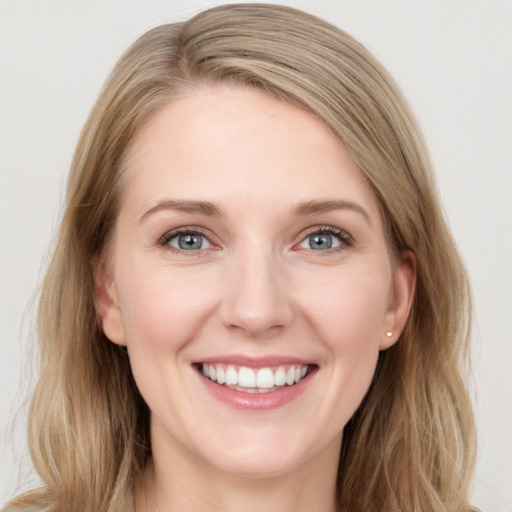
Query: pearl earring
point(389, 334)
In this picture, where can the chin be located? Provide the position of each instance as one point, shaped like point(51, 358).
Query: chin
point(260, 465)
point(266, 454)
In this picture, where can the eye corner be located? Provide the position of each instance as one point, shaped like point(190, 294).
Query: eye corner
point(329, 240)
point(195, 240)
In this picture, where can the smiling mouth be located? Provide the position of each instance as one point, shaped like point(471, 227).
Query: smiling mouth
point(255, 380)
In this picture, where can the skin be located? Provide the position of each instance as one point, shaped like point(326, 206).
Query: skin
point(256, 288)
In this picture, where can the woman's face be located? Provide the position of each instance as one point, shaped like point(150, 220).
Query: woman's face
point(250, 279)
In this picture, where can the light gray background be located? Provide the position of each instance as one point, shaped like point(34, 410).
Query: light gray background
point(453, 60)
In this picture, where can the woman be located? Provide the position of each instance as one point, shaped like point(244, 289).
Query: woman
point(254, 300)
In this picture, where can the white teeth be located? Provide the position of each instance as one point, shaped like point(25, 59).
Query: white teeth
point(221, 376)
point(212, 372)
point(246, 377)
point(290, 376)
point(280, 377)
point(262, 380)
point(231, 376)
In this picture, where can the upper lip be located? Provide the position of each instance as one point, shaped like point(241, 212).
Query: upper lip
point(255, 362)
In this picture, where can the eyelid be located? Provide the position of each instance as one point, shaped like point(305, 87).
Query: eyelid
point(346, 240)
point(186, 230)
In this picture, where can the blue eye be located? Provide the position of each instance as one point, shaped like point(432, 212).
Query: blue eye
point(320, 242)
point(189, 242)
point(325, 239)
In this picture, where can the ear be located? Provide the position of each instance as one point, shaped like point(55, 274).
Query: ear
point(107, 303)
point(401, 299)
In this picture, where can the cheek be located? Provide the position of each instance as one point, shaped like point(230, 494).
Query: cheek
point(349, 308)
point(161, 313)
point(160, 306)
point(344, 311)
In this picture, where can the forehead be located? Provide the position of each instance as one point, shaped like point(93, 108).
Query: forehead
point(225, 143)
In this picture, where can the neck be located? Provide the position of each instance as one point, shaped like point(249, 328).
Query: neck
point(173, 483)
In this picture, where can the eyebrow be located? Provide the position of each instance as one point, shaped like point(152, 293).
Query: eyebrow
point(201, 207)
point(303, 209)
point(312, 207)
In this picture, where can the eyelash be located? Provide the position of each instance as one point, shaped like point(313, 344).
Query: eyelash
point(343, 237)
point(192, 230)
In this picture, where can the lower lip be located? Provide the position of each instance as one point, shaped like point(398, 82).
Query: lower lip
point(256, 401)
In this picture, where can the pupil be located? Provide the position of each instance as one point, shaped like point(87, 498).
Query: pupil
point(321, 241)
point(188, 242)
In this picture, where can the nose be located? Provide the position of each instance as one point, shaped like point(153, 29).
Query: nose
point(257, 301)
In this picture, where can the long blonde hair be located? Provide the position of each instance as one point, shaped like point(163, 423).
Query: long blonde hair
point(410, 445)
